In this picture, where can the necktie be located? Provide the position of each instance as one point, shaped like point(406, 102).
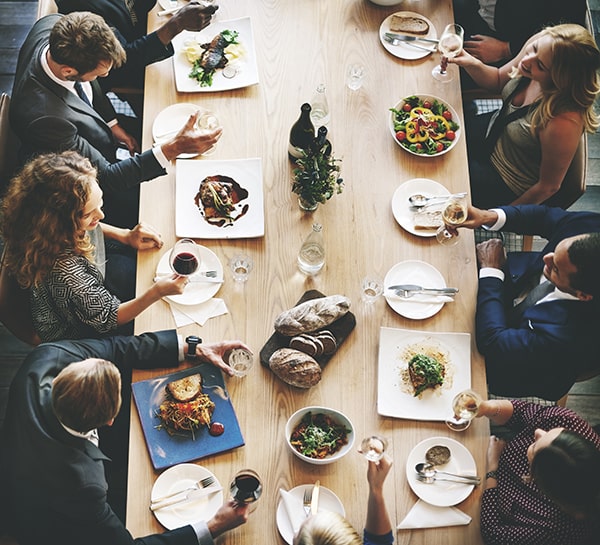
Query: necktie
point(536, 294)
point(81, 93)
point(131, 9)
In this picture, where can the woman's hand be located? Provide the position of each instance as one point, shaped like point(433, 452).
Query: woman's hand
point(171, 285)
point(144, 237)
point(377, 472)
point(495, 448)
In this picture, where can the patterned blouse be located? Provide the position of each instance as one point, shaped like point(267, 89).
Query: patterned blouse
point(516, 512)
point(72, 303)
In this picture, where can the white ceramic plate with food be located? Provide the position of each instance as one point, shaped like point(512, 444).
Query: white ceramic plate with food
point(404, 214)
point(404, 50)
point(420, 273)
point(195, 292)
point(246, 69)
point(171, 120)
point(180, 477)
point(433, 106)
point(191, 216)
point(442, 493)
point(395, 392)
point(328, 501)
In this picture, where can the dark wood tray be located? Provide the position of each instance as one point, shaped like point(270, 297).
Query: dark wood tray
point(341, 328)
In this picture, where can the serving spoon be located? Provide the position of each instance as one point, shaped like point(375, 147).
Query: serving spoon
point(419, 201)
point(426, 472)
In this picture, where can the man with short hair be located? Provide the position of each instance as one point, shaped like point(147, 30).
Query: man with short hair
point(61, 408)
point(57, 105)
point(538, 336)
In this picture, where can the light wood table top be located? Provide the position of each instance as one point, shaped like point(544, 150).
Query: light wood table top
point(300, 44)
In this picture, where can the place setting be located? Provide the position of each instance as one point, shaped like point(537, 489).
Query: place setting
point(408, 35)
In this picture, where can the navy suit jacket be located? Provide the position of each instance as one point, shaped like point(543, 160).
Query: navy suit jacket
point(141, 48)
point(555, 341)
point(56, 482)
point(49, 118)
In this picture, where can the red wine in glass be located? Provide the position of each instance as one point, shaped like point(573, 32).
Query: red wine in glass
point(185, 263)
point(246, 486)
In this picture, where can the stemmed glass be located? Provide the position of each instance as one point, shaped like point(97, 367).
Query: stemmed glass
point(185, 257)
point(246, 486)
point(465, 406)
point(450, 45)
point(454, 213)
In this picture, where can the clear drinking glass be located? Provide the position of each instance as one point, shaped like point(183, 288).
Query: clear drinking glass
point(207, 121)
point(373, 447)
point(240, 361)
point(450, 45)
point(185, 257)
point(371, 289)
point(241, 266)
point(454, 213)
point(465, 406)
point(246, 486)
point(355, 75)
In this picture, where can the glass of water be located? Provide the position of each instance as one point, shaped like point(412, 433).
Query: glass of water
point(355, 75)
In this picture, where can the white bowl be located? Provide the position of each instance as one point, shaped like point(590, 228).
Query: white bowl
point(336, 416)
point(386, 2)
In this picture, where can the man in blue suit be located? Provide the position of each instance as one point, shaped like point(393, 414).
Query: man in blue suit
point(540, 346)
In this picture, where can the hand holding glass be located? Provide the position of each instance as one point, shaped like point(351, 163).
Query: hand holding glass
point(373, 448)
point(246, 486)
point(465, 406)
point(450, 45)
point(185, 257)
point(207, 122)
point(455, 213)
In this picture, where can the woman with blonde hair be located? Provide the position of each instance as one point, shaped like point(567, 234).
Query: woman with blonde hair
point(521, 153)
point(327, 528)
point(54, 238)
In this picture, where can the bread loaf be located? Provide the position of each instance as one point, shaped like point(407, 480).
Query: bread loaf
point(312, 315)
point(413, 25)
point(295, 368)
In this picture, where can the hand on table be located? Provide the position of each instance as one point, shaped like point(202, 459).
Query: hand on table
point(125, 138)
point(487, 49)
point(144, 237)
point(491, 253)
point(190, 139)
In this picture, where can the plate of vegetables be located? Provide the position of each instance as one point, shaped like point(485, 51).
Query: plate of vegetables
point(424, 125)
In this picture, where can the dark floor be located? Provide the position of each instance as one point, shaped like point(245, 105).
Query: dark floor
point(15, 20)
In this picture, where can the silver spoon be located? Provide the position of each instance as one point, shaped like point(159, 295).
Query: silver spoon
point(419, 201)
point(431, 480)
point(428, 471)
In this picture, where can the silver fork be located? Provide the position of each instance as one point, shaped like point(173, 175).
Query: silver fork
point(306, 500)
point(203, 483)
point(207, 274)
point(394, 41)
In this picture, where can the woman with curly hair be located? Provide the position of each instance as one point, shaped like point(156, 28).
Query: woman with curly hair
point(521, 153)
point(54, 238)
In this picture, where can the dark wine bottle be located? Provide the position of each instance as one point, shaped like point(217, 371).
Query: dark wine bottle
point(320, 143)
point(302, 134)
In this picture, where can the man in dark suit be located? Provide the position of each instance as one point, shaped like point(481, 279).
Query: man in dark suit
point(57, 105)
point(538, 347)
point(129, 20)
point(52, 459)
point(495, 31)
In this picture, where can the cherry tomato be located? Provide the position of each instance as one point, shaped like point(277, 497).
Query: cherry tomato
point(427, 104)
point(450, 135)
point(407, 107)
point(447, 115)
point(418, 145)
point(400, 136)
point(439, 147)
point(216, 428)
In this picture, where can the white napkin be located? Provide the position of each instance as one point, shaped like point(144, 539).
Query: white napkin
point(420, 298)
point(425, 515)
point(200, 314)
point(294, 509)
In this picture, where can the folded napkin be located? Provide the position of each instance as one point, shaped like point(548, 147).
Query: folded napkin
point(200, 314)
point(425, 515)
point(420, 298)
point(294, 509)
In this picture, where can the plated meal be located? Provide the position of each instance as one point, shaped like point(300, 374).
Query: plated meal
point(421, 372)
point(219, 199)
point(424, 125)
point(408, 23)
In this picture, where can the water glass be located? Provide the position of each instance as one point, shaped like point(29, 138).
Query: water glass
point(371, 289)
point(240, 361)
point(207, 122)
point(355, 75)
point(241, 265)
point(373, 447)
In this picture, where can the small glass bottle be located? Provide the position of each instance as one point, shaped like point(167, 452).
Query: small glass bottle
point(320, 107)
point(321, 144)
point(302, 134)
point(311, 257)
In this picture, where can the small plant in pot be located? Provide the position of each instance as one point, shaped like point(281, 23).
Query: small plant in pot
point(316, 178)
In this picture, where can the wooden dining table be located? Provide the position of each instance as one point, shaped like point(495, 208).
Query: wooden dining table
point(300, 44)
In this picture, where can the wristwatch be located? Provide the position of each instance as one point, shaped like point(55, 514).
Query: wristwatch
point(492, 474)
point(192, 341)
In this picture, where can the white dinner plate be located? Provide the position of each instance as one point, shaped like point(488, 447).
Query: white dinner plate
point(195, 292)
point(189, 221)
point(414, 272)
point(328, 501)
point(395, 393)
point(167, 4)
point(178, 478)
point(247, 69)
point(403, 50)
point(441, 493)
point(401, 208)
point(171, 120)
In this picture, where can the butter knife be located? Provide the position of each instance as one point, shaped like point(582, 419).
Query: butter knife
point(405, 38)
point(396, 42)
point(194, 279)
point(314, 502)
point(191, 495)
point(419, 289)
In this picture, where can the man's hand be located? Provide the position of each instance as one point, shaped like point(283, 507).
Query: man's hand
point(190, 139)
point(487, 49)
point(491, 253)
point(125, 138)
point(193, 16)
point(214, 352)
point(230, 515)
point(477, 218)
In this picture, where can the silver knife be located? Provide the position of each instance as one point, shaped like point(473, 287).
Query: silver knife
point(314, 502)
point(396, 42)
point(192, 495)
point(193, 279)
point(420, 289)
point(405, 38)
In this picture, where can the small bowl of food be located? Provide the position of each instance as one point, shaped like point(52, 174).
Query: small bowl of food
point(319, 435)
point(424, 125)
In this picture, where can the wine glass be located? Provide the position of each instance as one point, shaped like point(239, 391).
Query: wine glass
point(208, 122)
point(450, 45)
point(185, 257)
point(454, 213)
point(246, 486)
point(465, 406)
point(373, 447)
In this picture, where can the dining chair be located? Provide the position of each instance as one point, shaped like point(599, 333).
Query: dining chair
point(9, 144)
